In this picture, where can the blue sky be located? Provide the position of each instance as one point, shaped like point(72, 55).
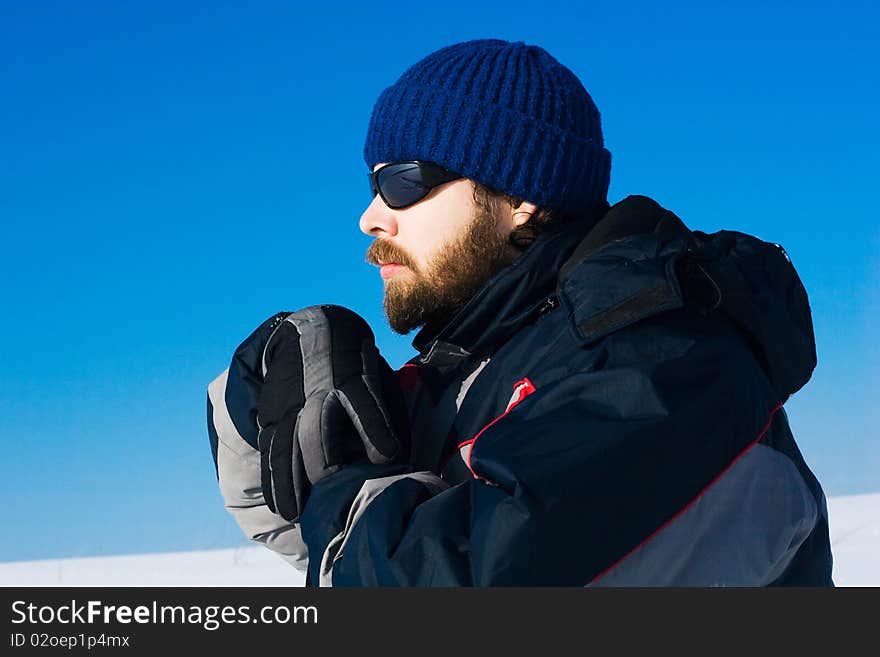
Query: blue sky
point(172, 173)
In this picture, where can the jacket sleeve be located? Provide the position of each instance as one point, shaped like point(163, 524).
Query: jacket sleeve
point(632, 474)
point(237, 463)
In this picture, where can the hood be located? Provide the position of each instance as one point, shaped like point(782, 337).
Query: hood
point(648, 262)
point(638, 261)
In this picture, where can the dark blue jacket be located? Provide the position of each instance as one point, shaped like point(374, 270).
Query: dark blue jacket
point(606, 411)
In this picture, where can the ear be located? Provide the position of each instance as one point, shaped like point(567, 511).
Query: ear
point(522, 213)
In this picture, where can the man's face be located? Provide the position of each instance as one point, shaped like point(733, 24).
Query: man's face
point(443, 248)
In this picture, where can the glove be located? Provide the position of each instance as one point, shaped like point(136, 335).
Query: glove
point(328, 398)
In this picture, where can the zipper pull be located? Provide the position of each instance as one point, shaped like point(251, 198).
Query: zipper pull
point(549, 304)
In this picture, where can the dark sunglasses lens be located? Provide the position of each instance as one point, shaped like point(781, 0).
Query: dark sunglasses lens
point(402, 185)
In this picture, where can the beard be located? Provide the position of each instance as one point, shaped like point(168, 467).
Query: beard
point(459, 269)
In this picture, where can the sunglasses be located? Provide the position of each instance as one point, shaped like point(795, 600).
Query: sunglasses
point(401, 184)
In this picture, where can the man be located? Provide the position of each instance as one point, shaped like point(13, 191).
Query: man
point(598, 394)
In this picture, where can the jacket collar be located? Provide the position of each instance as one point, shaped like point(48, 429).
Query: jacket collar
point(505, 302)
point(637, 261)
point(553, 266)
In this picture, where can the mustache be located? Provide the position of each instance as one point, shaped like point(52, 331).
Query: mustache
point(385, 251)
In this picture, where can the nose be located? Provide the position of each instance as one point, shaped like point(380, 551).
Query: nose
point(378, 219)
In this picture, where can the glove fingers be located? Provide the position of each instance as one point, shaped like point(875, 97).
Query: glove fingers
point(391, 393)
point(341, 442)
point(378, 423)
point(371, 420)
point(281, 463)
point(265, 439)
point(278, 463)
point(326, 437)
point(301, 486)
point(293, 485)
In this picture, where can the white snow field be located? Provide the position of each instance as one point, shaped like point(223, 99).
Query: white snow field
point(855, 539)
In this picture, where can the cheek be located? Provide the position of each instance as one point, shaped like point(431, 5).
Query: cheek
point(437, 223)
point(423, 240)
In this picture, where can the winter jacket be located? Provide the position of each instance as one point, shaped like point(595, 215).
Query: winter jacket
point(605, 411)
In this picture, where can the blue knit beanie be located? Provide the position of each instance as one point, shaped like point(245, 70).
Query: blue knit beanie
point(507, 115)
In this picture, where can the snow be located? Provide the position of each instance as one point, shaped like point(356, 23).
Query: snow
point(855, 543)
point(253, 565)
point(854, 521)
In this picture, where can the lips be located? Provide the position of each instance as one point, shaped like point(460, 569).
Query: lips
point(389, 269)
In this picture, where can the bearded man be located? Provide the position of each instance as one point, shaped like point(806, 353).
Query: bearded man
point(597, 398)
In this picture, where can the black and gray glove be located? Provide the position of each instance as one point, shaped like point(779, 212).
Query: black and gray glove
point(328, 398)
